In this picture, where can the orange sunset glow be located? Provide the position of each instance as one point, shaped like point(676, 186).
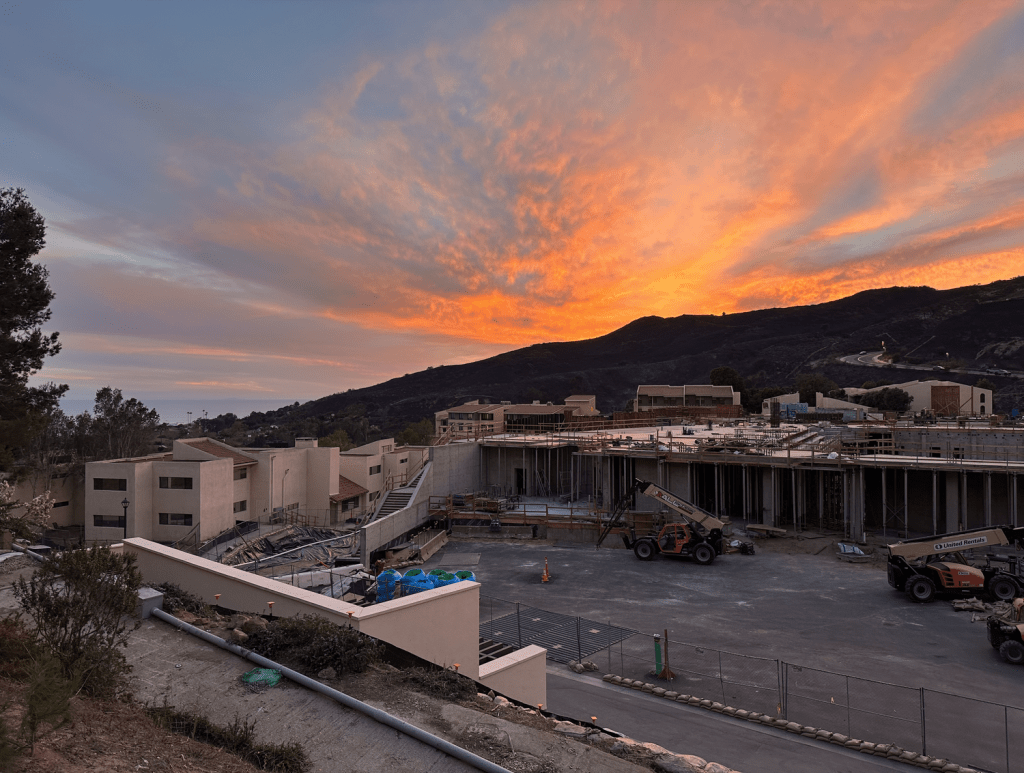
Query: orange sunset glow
point(388, 189)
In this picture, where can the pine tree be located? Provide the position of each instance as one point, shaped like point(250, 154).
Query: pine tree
point(24, 308)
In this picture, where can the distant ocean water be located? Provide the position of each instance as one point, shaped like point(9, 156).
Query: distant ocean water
point(176, 411)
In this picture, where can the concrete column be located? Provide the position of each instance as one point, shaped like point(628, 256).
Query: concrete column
point(1013, 497)
point(860, 503)
point(768, 496)
point(906, 502)
point(746, 503)
point(952, 501)
point(885, 500)
point(962, 523)
point(820, 480)
point(796, 514)
point(718, 488)
point(988, 499)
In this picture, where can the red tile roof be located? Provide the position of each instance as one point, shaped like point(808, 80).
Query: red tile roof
point(347, 489)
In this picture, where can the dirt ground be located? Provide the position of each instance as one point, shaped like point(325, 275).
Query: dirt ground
point(824, 544)
point(115, 738)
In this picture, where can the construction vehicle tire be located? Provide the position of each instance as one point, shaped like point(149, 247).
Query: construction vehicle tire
point(1012, 651)
point(644, 550)
point(704, 554)
point(920, 589)
point(1003, 588)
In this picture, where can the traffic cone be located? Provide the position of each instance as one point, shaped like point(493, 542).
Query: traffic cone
point(546, 576)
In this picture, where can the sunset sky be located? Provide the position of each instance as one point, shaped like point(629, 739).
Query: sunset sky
point(290, 199)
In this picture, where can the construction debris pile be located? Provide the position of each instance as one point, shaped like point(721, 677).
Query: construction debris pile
point(292, 544)
point(985, 610)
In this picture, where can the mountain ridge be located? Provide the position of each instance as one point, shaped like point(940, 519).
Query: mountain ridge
point(766, 346)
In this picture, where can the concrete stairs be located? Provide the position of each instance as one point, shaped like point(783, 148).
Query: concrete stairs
point(398, 498)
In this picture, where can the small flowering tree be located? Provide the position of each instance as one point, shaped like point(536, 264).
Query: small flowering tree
point(25, 519)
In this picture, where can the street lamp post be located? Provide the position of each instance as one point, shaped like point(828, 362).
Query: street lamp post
point(124, 504)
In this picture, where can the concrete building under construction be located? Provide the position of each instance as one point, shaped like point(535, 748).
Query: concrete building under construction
point(890, 478)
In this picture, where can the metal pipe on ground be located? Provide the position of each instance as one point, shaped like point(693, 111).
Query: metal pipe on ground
point(345, 700)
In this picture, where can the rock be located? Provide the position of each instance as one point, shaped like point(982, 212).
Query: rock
point(501, 700)
point(254, 625)
point(714, 767)
point(674, 763)
point(186, 616)
point(491, 694)
point(329, 673)
point(571, 729)
point(239, 636)
point(481, 695)
point(697, 762)
point(653, 748)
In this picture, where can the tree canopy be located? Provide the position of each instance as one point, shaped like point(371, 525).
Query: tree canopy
point(886, 399)
point(24, 309)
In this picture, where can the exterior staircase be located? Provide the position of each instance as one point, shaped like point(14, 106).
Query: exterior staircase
point(398, 498)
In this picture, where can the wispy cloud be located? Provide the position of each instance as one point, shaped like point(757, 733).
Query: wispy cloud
point(554, 171)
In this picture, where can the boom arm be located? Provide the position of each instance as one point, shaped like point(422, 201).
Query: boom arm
point(686, 509)
point(989, 536)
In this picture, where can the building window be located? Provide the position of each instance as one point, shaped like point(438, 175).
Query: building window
point(178, 483)
point(240, 507)
point(108, 521)
point(109, 484)
point(241, 473)
point(375, 470)
point(981, 397)
point(403, 461)
point(60, 504)
point(386, 449)
point(175, 519)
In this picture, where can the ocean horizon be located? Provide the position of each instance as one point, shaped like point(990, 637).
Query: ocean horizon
point(175, 411)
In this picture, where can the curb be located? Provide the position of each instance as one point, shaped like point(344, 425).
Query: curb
point(887, 750)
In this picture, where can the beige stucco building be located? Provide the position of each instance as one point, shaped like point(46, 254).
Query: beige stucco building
point(477, 418)
point(650, 397)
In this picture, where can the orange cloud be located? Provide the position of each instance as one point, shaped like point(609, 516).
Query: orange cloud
point(569, 170)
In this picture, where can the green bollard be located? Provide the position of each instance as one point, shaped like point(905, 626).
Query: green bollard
point(657, 654)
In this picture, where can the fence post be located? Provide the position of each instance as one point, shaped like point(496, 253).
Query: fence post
point(782, 693)
point(519, 626)
point(849, 721)
point(579, 644)
point(924, 743)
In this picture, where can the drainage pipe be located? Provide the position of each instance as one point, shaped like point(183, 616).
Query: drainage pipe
point(345, 700)
point(29, 553)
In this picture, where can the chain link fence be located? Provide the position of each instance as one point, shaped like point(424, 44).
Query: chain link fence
point(968, 731)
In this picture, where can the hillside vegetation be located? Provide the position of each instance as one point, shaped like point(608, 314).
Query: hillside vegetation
point(769, 347)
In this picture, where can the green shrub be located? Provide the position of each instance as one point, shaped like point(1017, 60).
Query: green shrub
point(238, 738)
point(177, 599)
point(316, 643)
point(441, 683)
point(81, 602)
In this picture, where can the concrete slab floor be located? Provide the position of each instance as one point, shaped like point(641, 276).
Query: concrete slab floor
point(808, 610)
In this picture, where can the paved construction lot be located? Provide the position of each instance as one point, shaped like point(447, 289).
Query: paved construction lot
point(806, 610)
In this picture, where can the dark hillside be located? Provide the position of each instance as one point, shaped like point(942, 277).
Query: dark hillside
point(976, 325)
